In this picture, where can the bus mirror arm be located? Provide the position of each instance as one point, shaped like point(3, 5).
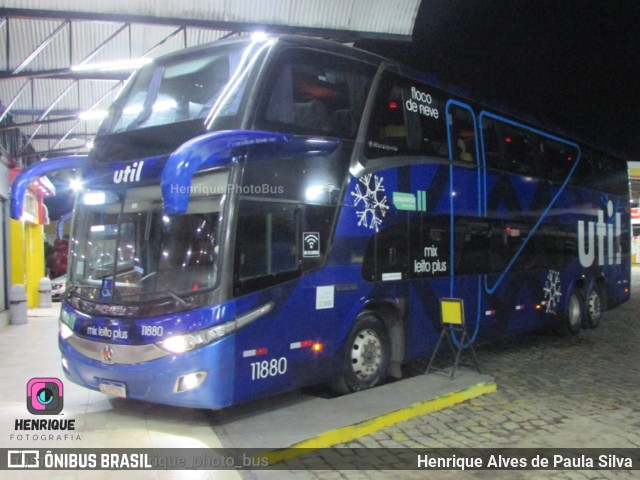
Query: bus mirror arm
point(210, 149)
point(24, 179)
point(216, 148)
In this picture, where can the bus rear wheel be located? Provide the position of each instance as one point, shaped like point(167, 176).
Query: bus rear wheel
point(366, 358)
point(595, 307)
point(571, 321)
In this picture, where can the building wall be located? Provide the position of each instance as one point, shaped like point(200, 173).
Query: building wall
point(4, 242)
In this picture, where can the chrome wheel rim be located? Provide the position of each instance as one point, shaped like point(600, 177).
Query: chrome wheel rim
point(595, 306)
point(366, 354)
point(574, 311)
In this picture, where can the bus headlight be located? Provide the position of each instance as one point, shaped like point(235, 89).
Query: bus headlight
point(65, 332)
point(189, 341)
point(67, 318)
point(67, 321)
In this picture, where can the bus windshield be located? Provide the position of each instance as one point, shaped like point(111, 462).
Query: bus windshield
point(124, 240)
point(208, 83)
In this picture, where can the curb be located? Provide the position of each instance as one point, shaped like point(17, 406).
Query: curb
point(372, 425)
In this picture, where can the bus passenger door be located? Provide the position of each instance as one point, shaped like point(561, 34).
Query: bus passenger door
point(464, 153)
point(465, 197)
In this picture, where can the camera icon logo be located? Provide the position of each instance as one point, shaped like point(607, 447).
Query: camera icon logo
point(44, 396)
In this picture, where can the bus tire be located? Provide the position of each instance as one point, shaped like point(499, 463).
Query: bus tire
point(571, 320)
point(366, 356)
point(595, 306)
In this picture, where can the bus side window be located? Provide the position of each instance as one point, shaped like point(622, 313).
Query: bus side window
point(514, 148)
point(521, 150)
point(316, 94)
point(493, 149)
point(613, 173)
point(393, 125)
point(408, 118)
point(557, 159)
point(585, 172)
point(388, 252)
point(463, 137)
point(267, 245)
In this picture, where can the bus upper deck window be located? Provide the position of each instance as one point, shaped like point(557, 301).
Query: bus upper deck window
point(317, 94)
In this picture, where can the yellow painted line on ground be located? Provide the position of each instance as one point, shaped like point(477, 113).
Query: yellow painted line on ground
point(367, 427)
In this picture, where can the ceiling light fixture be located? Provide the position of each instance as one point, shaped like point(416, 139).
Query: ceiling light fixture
point(93, 115)
point(130, 64)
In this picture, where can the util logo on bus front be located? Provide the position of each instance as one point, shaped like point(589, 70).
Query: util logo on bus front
point(129, 174)
point(608, 233)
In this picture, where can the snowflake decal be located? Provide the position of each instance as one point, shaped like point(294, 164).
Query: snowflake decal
point(369, 196)
point(552, 291)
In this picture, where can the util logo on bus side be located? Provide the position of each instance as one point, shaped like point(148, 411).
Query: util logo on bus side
point(607, 232)
point(129, 174)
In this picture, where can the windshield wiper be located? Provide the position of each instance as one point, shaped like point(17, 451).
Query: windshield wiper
point(177, 297)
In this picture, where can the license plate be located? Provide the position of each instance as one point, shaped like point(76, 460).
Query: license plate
point(117, 389)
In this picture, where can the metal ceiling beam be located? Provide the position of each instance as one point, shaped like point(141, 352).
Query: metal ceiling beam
point(14, 100)
point(48, 153)
point(51, 136)
point(41, 47)
point(66, 74)
point(88, 110)
point(341, 34)
point(17, 126)
point(101, 47)
point(47, 111)
point(55, 102)
point(36, 112)
point(166, 39)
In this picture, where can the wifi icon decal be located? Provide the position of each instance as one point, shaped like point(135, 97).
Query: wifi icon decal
point(311, 244)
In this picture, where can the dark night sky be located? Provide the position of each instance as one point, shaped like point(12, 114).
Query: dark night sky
point(574, 64)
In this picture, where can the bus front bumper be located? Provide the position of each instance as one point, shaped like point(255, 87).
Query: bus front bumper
point(202, 378)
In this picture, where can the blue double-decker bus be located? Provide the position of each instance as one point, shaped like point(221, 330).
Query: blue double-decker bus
point(264, 214)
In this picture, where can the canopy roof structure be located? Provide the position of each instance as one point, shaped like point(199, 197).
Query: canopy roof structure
point(63, 62)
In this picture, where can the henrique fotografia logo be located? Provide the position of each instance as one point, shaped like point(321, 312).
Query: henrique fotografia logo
point(44, 396)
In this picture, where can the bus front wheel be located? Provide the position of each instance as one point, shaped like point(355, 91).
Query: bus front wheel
point(366, 357)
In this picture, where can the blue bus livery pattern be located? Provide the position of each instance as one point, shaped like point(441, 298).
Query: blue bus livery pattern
point(191, 286)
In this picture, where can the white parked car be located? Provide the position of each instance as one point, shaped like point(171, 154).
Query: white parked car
point(58, 287)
